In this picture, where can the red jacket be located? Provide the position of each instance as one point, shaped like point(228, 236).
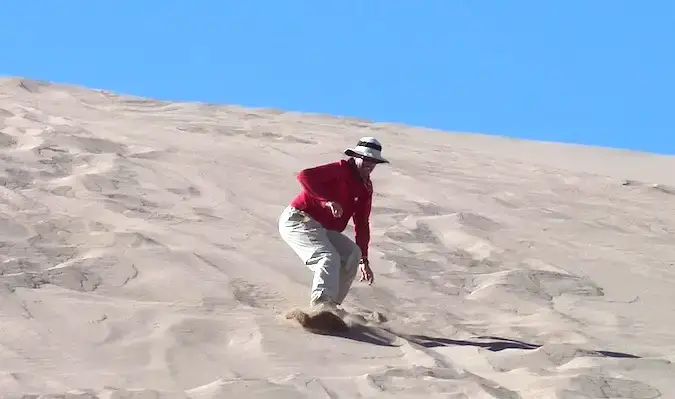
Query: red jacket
point(339, 182)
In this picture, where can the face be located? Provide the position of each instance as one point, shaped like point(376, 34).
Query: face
point(365, 166)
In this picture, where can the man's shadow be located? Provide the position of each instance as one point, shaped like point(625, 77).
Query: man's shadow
point(384, 337)
point(496, 344)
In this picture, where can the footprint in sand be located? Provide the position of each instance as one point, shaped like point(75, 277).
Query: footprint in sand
point(278, 137)
point(4, 114)
point(33, 85)
point(196, 129)
point(6, 140)
point(463, 233)
point(84, 275)
point(187, 192)
point(206, 213)
point(121, 203)
point(12, 229)
point(34, 247)
point(94, 145)
point(99, 183)
point(91, 273)
point(421, 234)
point(440, 378)
point(664, 189)
point(601, 386)
point(78, 140)
point(15, 178)
point(254, 295)
point(530, 285)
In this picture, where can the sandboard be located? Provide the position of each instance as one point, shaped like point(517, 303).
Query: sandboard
point(327, 322)
point(322, 322)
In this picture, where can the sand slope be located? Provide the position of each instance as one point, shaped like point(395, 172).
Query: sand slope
point(139, 258)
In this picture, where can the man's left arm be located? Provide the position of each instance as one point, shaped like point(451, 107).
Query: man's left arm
point(362, 225)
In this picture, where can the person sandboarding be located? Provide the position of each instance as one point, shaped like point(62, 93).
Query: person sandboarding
point(312, 225)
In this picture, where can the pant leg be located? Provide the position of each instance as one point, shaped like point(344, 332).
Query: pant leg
point(350, 254)
point(309, 240)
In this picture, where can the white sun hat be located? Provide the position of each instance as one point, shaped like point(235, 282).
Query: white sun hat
point(367, 147)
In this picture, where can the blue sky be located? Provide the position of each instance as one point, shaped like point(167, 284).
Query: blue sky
point(597, 72)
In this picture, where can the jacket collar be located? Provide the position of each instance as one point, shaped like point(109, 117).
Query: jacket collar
point(368, 184)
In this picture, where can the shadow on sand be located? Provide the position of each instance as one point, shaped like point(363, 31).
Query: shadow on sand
point(494, 344)
point(356, 328)
point(368, 335)
point(385, 337)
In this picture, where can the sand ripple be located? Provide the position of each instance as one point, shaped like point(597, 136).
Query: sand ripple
point(139, 258)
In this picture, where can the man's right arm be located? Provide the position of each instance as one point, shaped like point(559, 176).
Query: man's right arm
point(317, 180)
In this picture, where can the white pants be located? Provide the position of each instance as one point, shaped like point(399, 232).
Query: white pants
point(333, 257)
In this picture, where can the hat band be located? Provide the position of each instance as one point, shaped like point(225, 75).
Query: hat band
point(367, 151)
point(368, 144)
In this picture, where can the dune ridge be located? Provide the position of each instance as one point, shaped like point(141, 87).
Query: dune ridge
point(139, 258)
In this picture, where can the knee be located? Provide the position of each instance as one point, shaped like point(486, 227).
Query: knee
point(323, 257)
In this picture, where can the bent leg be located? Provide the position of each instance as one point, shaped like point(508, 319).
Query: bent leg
point(309, 240)
point(350, 253)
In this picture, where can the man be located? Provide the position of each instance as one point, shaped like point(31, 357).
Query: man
point(313, 223)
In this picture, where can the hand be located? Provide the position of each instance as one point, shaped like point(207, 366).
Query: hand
point(366, 273)
point(335, 208)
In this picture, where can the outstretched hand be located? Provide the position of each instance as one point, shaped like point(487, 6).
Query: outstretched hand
point(366, 272)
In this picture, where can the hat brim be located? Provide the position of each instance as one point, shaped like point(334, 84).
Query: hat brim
point(353, 153)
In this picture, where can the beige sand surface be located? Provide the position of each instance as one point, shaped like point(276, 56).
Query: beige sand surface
point(139, 258)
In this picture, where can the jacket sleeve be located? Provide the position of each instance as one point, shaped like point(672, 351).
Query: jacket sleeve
point(316, 180)
point(362, 224)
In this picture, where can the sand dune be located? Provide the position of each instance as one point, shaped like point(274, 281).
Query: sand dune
point(139, 258)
